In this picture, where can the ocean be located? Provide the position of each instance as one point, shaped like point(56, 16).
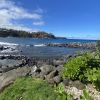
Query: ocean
point(39, 49)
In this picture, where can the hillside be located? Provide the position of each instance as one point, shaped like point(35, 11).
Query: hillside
point(18, 33)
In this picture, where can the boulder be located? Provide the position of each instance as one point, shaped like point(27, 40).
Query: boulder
point(51, 81)
point(79, 85)
point(33, 69)
point(57, 79)
point(58, 62)
point(59, 68)
point(52, 74)
point(46, 69)
point(9, 77)
point(1, 48)
point(67, 82)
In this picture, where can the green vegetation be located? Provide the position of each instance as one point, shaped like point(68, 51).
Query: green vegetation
point(86, 96)
point(98, 45)
point(16, 33)
point(29, 89)
point(85, 67)
point(60, 89)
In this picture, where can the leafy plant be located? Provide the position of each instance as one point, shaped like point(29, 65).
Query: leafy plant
point(94, 77)
point(86, 96)
point(85, 67)
point(98, 44)
point(60, 89)
point(72, 69)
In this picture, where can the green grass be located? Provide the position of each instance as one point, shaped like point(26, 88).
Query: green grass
point(27, 88)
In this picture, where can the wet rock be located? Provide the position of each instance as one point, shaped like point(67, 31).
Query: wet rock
point(2, 57)
point(46, 69)
point(1, 48)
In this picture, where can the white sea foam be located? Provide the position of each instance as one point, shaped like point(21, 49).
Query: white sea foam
point(6, 43)
point(39, 45)
point(9, 51)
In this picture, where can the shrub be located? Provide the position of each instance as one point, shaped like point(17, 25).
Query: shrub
point(85, 67)
point(86, 96)
point(29, 89)
point(60, 89)
point(98, 44)
point(72, 68)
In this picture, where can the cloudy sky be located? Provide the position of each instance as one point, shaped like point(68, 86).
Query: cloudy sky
point(69, 18)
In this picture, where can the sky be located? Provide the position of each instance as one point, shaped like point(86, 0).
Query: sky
point(78, 19)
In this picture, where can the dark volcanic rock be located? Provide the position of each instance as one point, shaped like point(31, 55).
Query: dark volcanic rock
point(1, 48)
point(7, 64)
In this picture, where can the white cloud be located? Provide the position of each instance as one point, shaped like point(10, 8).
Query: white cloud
point(10, 12)
point(39, 10)
point(39, 23)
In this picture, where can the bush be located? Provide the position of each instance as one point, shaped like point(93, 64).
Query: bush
point(29, 89)
point(98, 44)
point(60, 89)
point(72, 69)
point(85, 67)
point(86, 96)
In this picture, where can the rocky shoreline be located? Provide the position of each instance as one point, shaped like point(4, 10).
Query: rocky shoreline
point(46, 69)
point(49, 69)
point(12, 67)
point(91, 45)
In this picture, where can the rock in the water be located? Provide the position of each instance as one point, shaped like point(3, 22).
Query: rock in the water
point(1, 48)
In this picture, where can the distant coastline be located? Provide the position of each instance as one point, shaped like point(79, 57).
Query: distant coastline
point(24, 34)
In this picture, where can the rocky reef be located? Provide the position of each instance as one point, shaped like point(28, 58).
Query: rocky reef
point(91, 45)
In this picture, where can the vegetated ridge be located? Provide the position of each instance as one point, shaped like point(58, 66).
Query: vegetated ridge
point(19, 33)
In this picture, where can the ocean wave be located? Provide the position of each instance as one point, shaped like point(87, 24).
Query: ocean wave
point(39, 45)
point(6, 43)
